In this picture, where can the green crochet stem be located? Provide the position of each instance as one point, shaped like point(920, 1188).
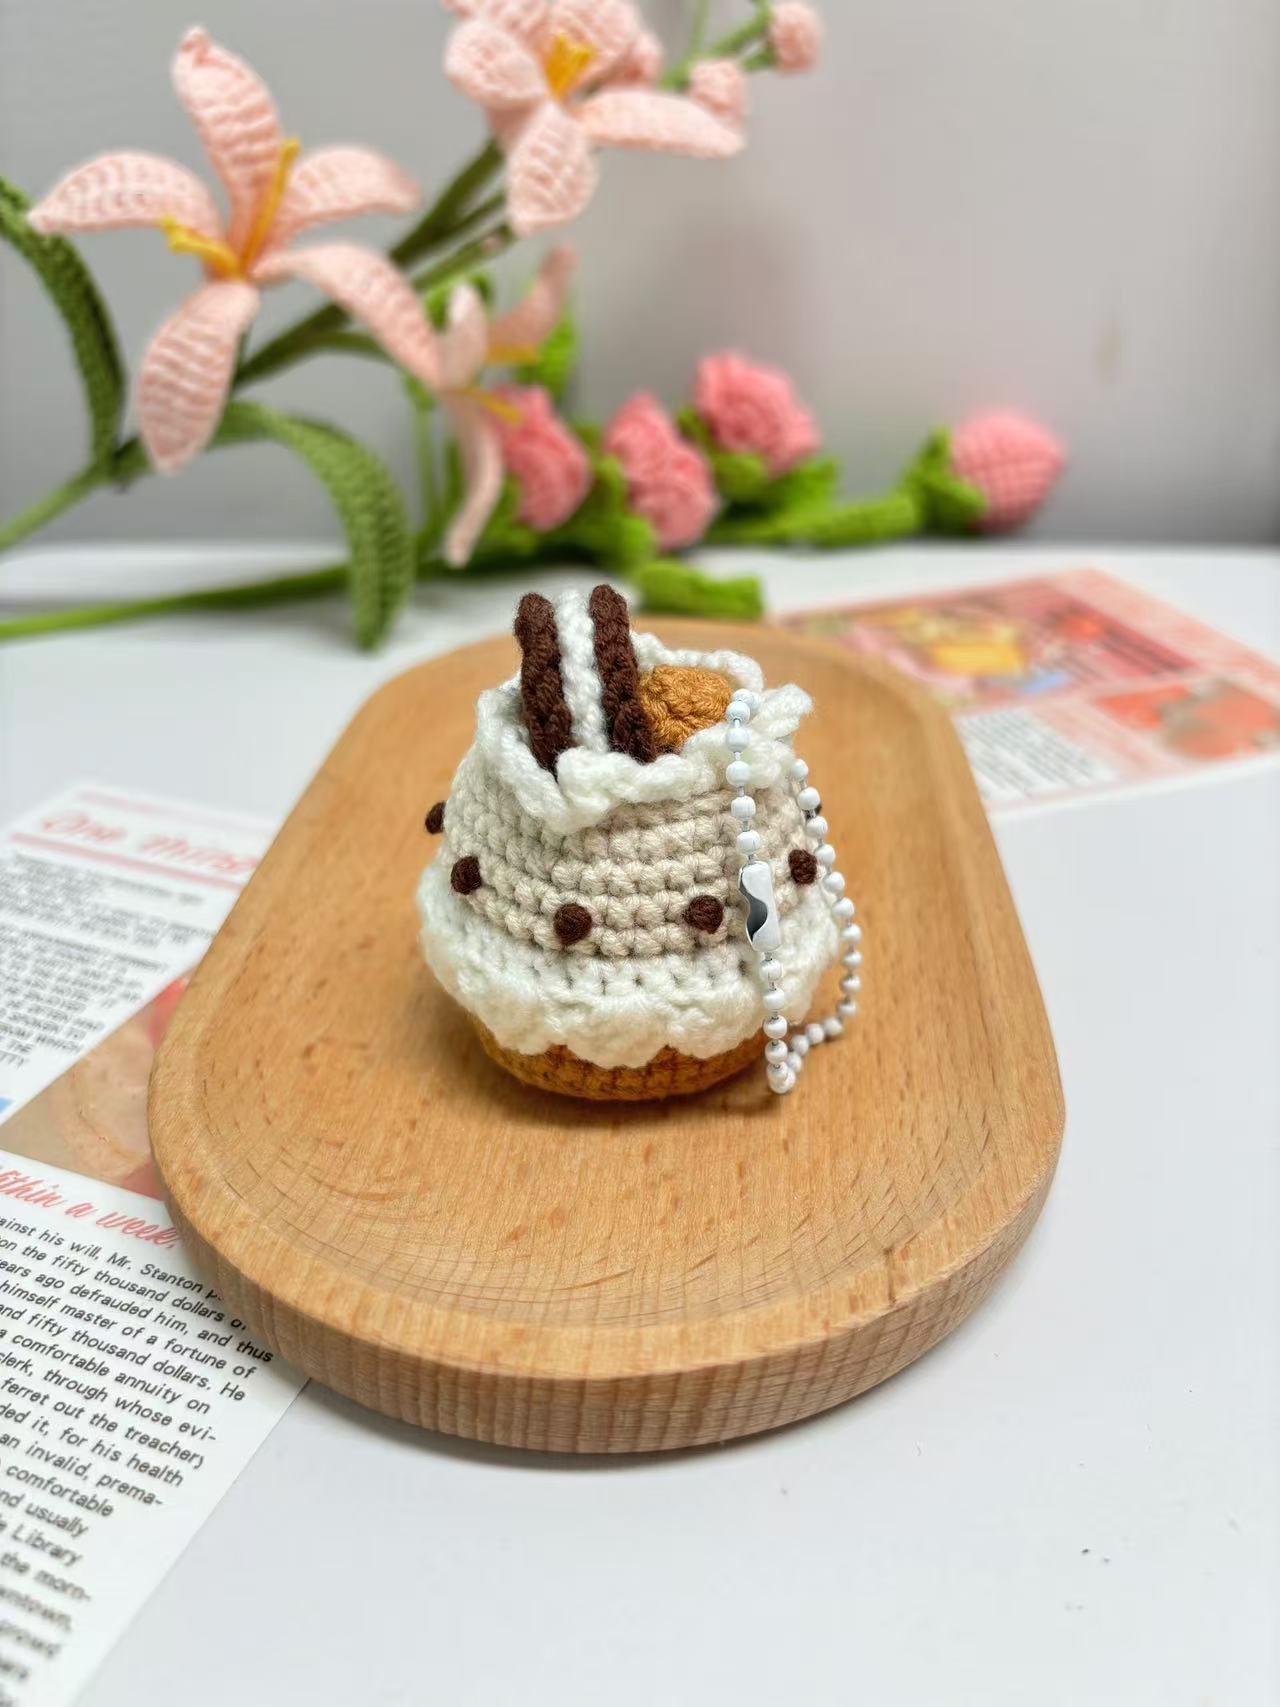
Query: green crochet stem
point(287, 587)
point(52, 505)
point(479, 252)
point(665, 586)
point(870, 521)
point(727, 47)
point(698, 29)
point(128, 463)
point(442, 219)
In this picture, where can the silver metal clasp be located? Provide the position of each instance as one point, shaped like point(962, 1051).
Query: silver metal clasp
point(764, 929)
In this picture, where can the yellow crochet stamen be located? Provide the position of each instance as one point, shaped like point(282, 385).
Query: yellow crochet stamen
point(566, 64)
point(219, 256)
point(495, 405)
point(270, 205)
point(512, 355)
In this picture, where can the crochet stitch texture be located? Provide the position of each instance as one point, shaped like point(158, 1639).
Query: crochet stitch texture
point(606, 919)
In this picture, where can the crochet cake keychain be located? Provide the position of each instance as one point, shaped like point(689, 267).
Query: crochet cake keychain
point(635, 895)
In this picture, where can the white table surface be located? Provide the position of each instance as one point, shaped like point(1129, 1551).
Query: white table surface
point(1073, 1500)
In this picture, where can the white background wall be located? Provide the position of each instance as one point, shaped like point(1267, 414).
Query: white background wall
point(1068, 205)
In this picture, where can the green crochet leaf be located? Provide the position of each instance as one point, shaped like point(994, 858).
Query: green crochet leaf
point(739, 479)
point(504, 536)
point(367, 499)
point(603, 528)
point(556, 360)
point(75, 296)
point(667, 586)
point(745, 483)
point(810, 485)
point(948, 504)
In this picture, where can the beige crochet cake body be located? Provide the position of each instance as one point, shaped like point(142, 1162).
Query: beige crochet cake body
point(582, 899)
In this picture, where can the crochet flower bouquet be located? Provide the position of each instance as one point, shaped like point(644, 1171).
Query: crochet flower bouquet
point(506, 475)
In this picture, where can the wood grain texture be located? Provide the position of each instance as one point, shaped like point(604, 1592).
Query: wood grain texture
point(395, 1215)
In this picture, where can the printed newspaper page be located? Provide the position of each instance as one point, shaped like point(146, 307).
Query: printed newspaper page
point(1066, 686)
point(130, 1398)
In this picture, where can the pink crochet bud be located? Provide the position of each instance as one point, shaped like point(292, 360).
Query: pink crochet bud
point(720, 87)
point(642, 66)
point(543, 455)
point(753, 409)
point(795, 35)
point(1012, 461)
point(668, 481)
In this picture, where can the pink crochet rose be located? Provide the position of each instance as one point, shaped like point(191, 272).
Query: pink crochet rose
point(795, 35)
point(1012, 461)
point(668, 481)
point(752, 409)
point(470, 342)
point(720, 87)
point(543, 455)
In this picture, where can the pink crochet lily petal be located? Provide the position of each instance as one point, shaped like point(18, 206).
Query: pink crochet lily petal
point(465, 341)
point(493, 66)
point(532, 321)
point(185, 373)
point(607, 27)
point(129, 189)
point(233, 111)
point(339, 183)
point(372, 291)
point(481, 451)
point(524, 18)
point(646, 118)
point(507, 127)
point(720, 86)
point(550, 173)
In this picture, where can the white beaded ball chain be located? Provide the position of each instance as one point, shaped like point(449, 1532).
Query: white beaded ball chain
point(785, 1057)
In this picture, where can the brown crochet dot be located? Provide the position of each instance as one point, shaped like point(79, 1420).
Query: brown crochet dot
point(704, 913)
point(804, 868)
point(435, 818)
point(465, 876)
point(571, 923)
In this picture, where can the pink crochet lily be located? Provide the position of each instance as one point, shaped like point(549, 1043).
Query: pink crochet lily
point(273, 195)
point(555, 78)
point(469, 343)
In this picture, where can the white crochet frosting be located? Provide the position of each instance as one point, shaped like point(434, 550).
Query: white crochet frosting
point(633, 844)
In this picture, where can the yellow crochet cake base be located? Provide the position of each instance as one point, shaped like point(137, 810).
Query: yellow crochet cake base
point(668, 1074)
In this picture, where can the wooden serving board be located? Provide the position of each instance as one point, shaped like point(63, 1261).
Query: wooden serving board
point(396, 1216)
